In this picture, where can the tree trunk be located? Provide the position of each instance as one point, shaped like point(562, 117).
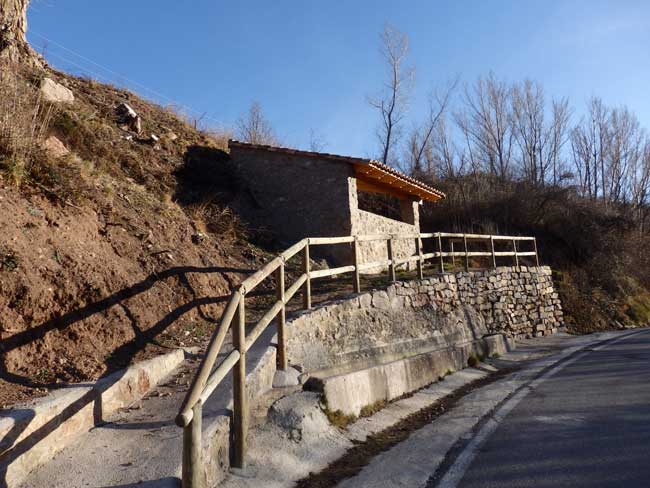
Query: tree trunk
point(13, 26)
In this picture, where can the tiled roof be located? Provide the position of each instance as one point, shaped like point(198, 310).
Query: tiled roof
point(397, 175)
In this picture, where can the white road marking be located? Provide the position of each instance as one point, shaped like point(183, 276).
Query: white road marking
point(457, 471)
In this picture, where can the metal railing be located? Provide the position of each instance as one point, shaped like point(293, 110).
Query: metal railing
point(234, 316)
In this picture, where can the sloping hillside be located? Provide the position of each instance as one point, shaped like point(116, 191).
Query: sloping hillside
point(114, 244)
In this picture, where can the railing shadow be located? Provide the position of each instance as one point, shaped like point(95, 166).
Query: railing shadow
point(10, 449)
point(169, 482)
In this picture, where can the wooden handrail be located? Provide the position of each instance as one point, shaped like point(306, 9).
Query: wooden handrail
point(295, 249)
point(185, 415)
point(256, 278)
point(205, 382)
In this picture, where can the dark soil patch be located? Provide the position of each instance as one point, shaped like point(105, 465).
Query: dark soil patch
point(354, 460)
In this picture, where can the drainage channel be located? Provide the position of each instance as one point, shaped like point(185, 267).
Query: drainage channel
point(360, 455)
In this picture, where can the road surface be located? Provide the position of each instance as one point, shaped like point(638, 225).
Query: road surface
point(587, 425)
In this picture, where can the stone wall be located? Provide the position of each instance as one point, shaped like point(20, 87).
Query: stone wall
point(410, 318)
point(368, 223)
point(295, 197)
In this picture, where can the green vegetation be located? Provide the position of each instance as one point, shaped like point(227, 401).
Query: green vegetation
point(339, 419)
point(369, 410)
point(8, 261)
point(637, 308)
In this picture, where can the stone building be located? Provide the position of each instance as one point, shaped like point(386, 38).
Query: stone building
point(296, 194)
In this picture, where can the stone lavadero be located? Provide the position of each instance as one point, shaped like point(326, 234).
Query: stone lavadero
point(296, 194)
point(409, 318)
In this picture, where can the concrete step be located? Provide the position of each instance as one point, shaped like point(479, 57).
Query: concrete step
point(32, 433)
point(142, 446)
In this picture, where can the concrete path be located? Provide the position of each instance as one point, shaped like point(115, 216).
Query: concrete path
point(413, 462)
point(587, 425)
point(140, 446)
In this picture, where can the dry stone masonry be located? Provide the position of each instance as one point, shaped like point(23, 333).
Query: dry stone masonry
point(518, 303)
point(441, 312)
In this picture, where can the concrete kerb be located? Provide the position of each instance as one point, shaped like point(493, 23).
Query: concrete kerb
point(351, 392)
point(30, 435)
point(415, 460)
point(279, 458)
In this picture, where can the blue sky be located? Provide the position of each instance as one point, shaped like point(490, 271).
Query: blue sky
point(311, 64)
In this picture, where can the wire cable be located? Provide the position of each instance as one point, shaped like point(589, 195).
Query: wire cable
point(117, 75)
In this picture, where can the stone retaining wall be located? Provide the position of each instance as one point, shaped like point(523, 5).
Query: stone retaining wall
point(410, 318)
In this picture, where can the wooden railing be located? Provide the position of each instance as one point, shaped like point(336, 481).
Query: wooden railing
point(234, 317)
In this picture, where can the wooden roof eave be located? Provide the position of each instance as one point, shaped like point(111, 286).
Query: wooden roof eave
point(380, 181)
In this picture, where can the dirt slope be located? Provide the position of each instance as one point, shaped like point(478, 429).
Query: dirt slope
point(115, 251)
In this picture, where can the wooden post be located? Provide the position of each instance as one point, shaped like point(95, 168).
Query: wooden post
point(514, 247)
point(442, 262)
point(355, 257)
point(306, 293)
point(453, 258)
point(239, 389)
point(494, 256)
point(391, 265)
point(192, 463)
point(466, 253)
point(282, 321)
point(418, 248)
point(536, 255)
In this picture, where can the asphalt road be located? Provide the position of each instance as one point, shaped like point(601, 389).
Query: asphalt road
point(586, 426)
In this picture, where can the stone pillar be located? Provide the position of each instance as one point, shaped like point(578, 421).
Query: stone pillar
point(410, 212)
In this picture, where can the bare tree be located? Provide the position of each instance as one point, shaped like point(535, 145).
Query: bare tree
point(316, 142)
point(589, 143)
point(393, 101)
point(625, 150)
point(446, 159)
point(253, 127)
point(540, 141)
point(558, 137)
point(418, 150)
point(640, 186)
point(486, 123)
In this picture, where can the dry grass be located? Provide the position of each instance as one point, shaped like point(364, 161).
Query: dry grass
point(216, 219)
point(339, 419)
point(24, 121)
point(372, 409)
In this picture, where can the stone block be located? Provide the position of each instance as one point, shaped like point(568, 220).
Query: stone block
point(55, 92)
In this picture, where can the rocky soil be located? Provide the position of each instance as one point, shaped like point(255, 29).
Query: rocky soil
point(115, 244)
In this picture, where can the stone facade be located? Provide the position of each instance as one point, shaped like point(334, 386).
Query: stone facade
point(298, 196)
point(439, 312)
point(368, 223)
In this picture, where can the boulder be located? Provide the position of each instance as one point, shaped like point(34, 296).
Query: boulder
point(55, 147)
point(55, 92)
point(300, 415)
point(286, 378)
point(129, 117)
point(170, 136)
point(125, 111)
